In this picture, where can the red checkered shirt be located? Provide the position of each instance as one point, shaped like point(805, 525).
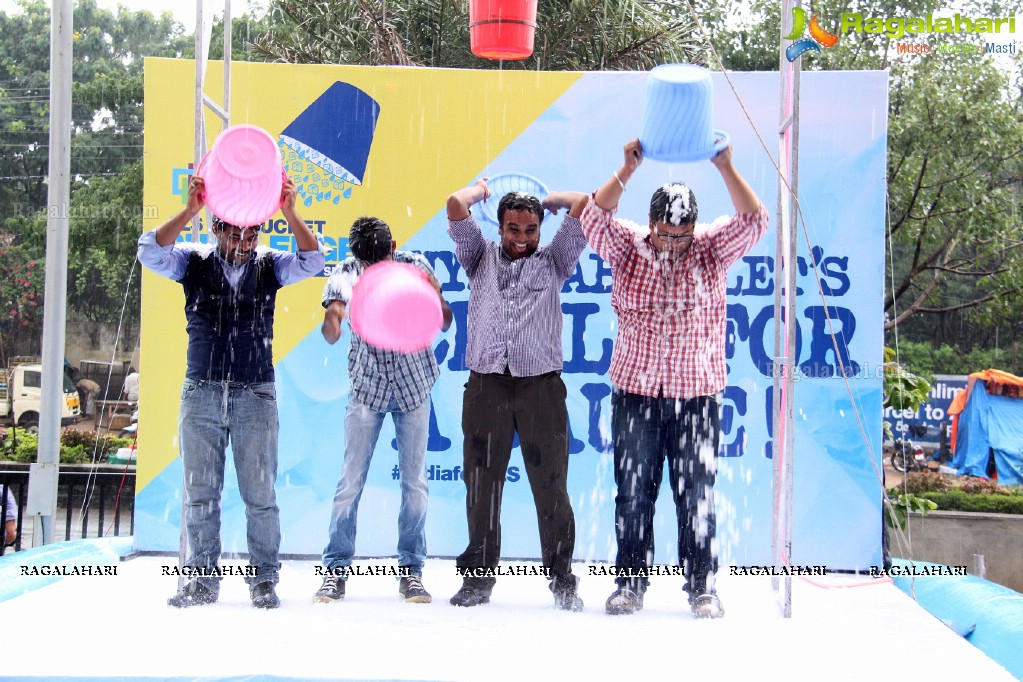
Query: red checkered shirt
point(671, 316)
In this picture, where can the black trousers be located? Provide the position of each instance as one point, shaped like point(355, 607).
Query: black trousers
point(496, 407)
point(685, 432)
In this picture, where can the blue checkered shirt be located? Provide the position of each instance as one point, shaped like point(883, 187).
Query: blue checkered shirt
point(377, 374)
point(515, 305)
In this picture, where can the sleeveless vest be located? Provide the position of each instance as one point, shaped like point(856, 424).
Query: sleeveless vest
point(230, 331)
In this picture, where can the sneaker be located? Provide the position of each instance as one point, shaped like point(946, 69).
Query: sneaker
point(263, 595)
point(411, 588)
point(470, 595)
point(706, 605)
point(566, 597)
point(194, 593)
point(332, 589)
point(623, 602)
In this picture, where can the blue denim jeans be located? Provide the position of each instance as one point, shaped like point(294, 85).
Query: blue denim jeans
point(362, 428)
point(213, 413)
point(686, 432)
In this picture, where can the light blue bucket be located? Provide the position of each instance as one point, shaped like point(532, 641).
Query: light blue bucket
point(678, 117)
point(512, 181)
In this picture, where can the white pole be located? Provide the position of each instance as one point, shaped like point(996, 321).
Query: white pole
point(783, 397)
point(42, 489)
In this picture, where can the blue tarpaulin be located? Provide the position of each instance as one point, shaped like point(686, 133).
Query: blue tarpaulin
point(990, 424)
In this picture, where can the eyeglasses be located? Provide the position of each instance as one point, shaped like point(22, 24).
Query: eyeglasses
point(673, 237)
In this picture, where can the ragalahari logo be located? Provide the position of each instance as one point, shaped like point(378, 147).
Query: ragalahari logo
point(818, 36)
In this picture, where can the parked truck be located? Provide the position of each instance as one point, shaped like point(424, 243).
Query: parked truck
point(21, 395)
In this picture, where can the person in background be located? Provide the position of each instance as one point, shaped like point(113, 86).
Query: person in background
point(131, 386)
point(87, 392)
point(515, 386)
point(382, 382)
point(10, 517)
point(230, 292)
point(668, 282)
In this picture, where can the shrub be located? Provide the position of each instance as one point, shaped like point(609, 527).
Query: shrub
point(918, 482)
point(992, 504)
point(19, 446)
point(73, 454)
point(76, 447)
point(93, 446)
point(982, 486)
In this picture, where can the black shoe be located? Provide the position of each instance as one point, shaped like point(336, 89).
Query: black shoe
point(411, 588)
point(470, 595)
point(623, 602)
point(194, 593)
point(332, 589)
point(263, 595)
point(565, 595)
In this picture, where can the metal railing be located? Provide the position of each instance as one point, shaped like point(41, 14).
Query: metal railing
point(92, 500)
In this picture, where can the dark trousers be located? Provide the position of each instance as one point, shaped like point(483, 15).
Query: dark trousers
point(494, 408)
point(686, 432)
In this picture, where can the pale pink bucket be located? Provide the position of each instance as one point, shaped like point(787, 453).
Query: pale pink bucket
point(395, 307)
point(243, 175)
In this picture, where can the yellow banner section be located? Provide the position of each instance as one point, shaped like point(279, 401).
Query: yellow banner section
point(435, 129)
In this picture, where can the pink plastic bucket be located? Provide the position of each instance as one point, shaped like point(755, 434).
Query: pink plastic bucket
point(395, 307)
point(244, 176)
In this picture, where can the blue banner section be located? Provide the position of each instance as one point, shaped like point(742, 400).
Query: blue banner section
point(575, 145)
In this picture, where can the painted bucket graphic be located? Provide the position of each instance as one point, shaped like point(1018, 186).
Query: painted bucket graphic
point(395, 307)
point(678, 115)
point(243, 175)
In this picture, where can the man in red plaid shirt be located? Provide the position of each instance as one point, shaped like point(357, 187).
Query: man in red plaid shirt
point(668, 367)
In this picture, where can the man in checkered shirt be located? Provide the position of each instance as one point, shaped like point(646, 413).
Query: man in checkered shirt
point(668, 366)
point(383, 382)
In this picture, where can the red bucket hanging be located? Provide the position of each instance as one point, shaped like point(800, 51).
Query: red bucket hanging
point(502, 29)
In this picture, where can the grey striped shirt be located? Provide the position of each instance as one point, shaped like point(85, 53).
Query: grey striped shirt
point(377, 374)
point(515, 305)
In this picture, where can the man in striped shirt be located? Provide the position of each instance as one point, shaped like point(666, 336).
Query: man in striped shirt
point(668, 286)
point(382, 382)
point(515, 386)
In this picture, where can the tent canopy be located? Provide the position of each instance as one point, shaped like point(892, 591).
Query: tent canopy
point(988, 420)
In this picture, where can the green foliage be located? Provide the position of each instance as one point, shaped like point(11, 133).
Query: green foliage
point(570, 35)
point(21, 297)
point(903, 390)
point(76, 447)
point(106, 98)
point(958, 500)
point(93, 446)
point(19, 446)
point(902, 504)
point(951, 493)
point(925, 358)
point(955, 163)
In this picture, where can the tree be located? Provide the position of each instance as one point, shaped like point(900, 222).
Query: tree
point(955, 163)
point(106, 98)
point(577, 35)
point(21, 298)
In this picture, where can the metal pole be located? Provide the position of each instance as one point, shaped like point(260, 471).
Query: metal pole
point(783, 398)
point(199, 138)
point(42, 489)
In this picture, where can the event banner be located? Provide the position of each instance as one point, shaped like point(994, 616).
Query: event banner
point(394, 142)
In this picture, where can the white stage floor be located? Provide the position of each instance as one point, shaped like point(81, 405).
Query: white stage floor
point(120, 627)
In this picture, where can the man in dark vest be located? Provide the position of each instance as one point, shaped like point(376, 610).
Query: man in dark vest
point(228, 395)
